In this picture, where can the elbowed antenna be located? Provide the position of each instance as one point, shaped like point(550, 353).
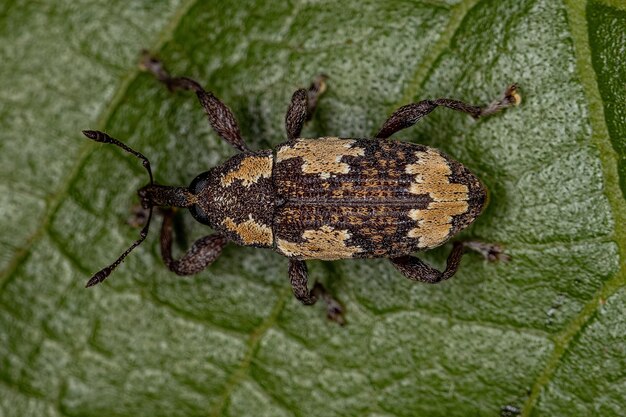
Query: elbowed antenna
point(105, 272)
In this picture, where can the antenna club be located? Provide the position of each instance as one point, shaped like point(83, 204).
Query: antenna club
point(99, 277)
point(95, 135)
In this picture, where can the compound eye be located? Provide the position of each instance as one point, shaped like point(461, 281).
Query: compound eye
point(199, 214)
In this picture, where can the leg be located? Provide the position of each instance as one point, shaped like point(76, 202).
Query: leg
point(298, 275)
point(413, 268)
point(410, 114)
point(203, 252)
point(220, 116)
point(302, 106)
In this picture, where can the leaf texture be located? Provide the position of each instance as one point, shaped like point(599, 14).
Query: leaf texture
point(541, 335)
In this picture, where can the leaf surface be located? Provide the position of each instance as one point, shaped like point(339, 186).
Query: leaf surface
point(541, 335)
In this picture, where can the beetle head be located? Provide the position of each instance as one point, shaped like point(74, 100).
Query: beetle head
point(161, 195)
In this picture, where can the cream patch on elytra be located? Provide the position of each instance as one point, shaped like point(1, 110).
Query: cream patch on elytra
point(432, 176)
point(250, 231)
point(325, 243)
point(249, 171)
point(321, 156)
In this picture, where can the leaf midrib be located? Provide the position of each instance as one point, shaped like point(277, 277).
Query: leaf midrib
point(54, 200)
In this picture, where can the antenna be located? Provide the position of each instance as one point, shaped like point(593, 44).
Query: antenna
point(105, 272)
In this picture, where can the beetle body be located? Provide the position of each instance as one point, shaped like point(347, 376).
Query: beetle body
point(326, 198)
point(332, 198)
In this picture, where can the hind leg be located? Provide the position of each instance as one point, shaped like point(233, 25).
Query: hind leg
point(416, 270)
point(410, 114)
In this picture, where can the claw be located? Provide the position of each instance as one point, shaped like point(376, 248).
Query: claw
point(490, 251)
point(510, 97)
point(334, 311)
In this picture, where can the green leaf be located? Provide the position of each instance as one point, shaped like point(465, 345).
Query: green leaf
point(541, 335)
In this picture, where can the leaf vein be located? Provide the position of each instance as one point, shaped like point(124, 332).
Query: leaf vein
point(577, 22)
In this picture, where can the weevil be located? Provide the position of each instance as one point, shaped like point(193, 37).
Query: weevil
point(324, 198)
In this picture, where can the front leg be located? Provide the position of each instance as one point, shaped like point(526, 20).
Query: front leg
point(410, 114)
point(220, 116)
point(202, 253)
point(299, 277)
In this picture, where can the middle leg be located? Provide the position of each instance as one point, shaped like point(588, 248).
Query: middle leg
point(302, 106)
point(299, 277)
